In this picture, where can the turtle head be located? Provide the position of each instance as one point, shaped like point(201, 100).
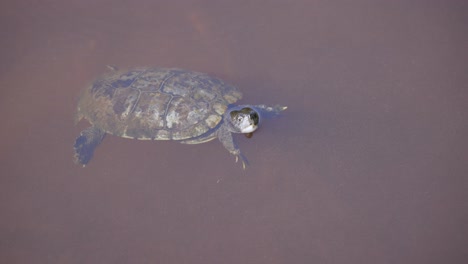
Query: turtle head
point(243, 120)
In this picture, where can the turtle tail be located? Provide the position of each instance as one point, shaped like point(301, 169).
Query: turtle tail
point(86, 143)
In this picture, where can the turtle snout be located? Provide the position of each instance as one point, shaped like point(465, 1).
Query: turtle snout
point(254, 117)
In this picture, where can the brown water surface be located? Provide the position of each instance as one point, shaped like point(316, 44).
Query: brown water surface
point(367, 165)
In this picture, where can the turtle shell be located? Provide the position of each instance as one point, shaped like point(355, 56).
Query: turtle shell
point(157, 103)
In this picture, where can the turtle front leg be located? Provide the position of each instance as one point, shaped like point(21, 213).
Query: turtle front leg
point(270, 111)
point(225, 136)
point(86, 143)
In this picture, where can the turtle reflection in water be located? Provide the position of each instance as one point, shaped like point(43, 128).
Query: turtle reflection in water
point(165, 104)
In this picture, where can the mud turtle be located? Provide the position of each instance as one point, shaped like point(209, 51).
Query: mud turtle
point(165, 104)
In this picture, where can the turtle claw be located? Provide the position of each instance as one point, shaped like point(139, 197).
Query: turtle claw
point(244, 161)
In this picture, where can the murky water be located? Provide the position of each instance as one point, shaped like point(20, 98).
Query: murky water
point(368, 164)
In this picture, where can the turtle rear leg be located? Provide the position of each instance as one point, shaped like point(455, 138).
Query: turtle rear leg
point(86, 143)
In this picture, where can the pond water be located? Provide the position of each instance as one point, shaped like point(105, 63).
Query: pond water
point(367, 164)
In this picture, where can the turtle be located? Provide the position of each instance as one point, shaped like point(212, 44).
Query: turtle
point(165, 104)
